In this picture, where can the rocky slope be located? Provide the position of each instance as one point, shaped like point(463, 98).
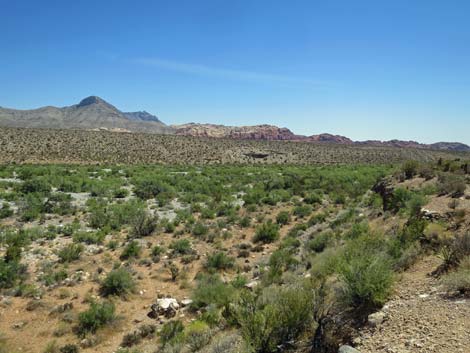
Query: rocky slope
point(420, 318)
point(92, 113)
point(255, 132)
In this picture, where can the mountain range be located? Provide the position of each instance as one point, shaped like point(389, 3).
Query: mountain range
point(94, 113)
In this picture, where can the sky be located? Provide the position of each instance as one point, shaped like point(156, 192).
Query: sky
point(366, 69)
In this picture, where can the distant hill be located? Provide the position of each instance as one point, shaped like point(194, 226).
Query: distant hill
point(92, 113)
point(274, 133)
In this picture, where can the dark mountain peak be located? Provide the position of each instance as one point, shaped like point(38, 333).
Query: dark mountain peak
point(91, 100)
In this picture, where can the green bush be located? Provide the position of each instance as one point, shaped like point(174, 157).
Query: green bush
point(320, 241)
point(302, 211)
point(117, 282)
point(211, 290)
point(410, 169)
point(451, 184)
point(70, 252)
point(283, 218)
point(279, 315)
point(219, 261)
point(97, 316)
point(459, 280)
point(69, 348)
point(31, 207)
point(197, 335)
point(35, 186)
point(131, 251)
point(89, 237)
point(5, 211)
point(366, 274)
point(10, 273)
point(143, 224)
point(150, 188)
point(266, 233)
point(171, 331)
point(200, 229)
point(181, 247)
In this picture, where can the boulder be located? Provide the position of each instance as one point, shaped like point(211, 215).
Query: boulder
point(166, 307)
point(376, 319)
point(186, 302)
point(251, 285)
point(347, 349)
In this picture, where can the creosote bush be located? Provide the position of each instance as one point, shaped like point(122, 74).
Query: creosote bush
point(266, 233)
point(278, 315)
point(219, 261)
point(118, 282)
point(97, 316)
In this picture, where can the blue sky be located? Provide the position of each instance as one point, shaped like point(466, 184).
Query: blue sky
point(367, 69)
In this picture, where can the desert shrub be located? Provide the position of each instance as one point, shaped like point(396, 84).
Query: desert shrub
point(451, 184)
point(319, 242)
point(229, 343)
point(150, 188)
point(70, 252)
point(117, 282)
point(135, 337)
point(459, 280)
point(412, 231)
point(317, 218)
point(131, 251)
point(425, 171)
point(366, 273)
point(98, 216)
point(297, 230)
point(266, 233)
point(35, 185)
point(357, 230)
point(219, 261)
point(277, 316)
point(97, 316)
point(400, 198)
point(89, 237)
point(199, 229)
point(283, 218)
point(10, 273)
point(58, 203)
point(181, 247)
point(280, 261)
point(50, 277)
point(410, 169)
point(245, 222)
point(171, 331)
point(197, 335)
point(168, 227)
point(5, 211)
point(156, 251)
point(120, 193)
point(302, 211)
point(143, 224)
point(313, 198)
point(207, 213)
point(211, 290)
point(69, 348)
point(31, 207)
point(407, 256)
point(457, 250)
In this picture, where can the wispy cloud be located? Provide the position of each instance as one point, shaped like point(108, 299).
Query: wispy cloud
point(239, 75)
